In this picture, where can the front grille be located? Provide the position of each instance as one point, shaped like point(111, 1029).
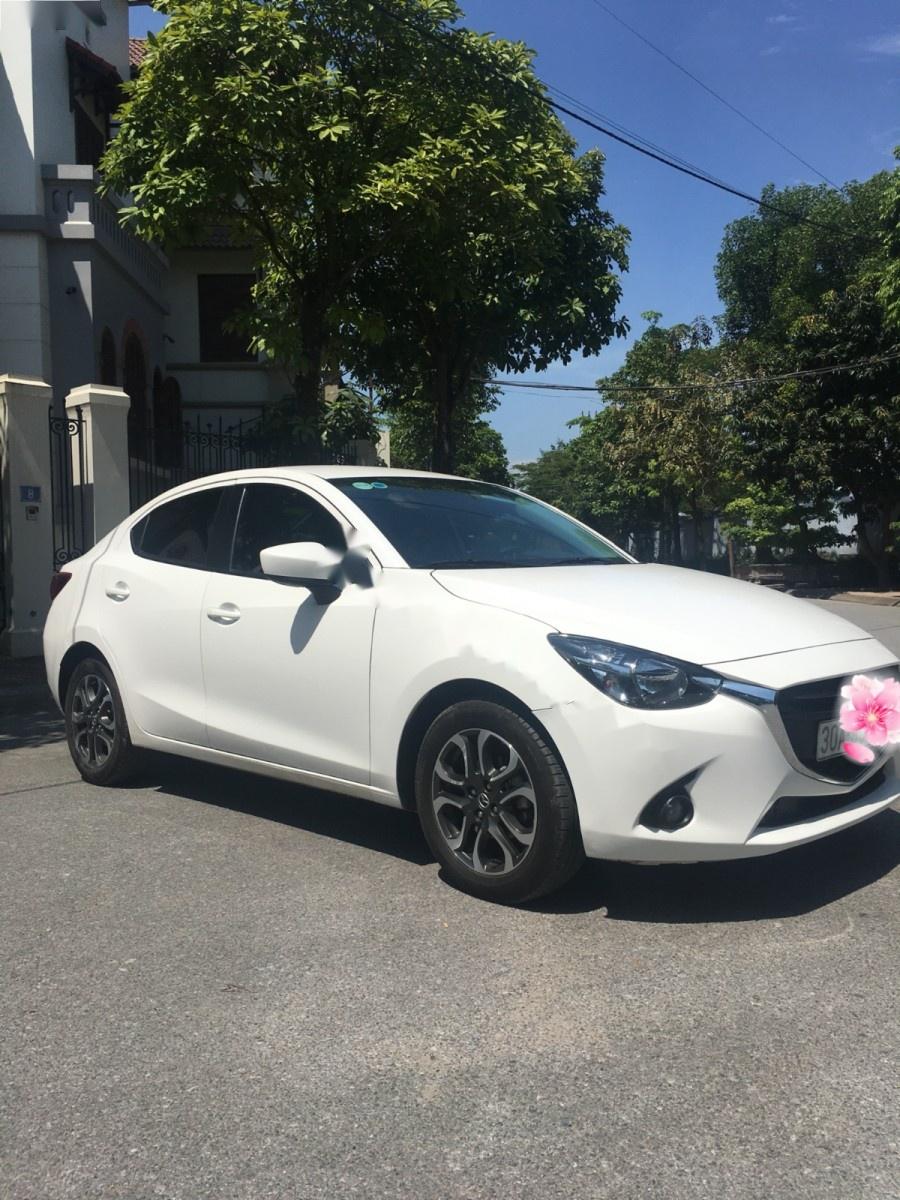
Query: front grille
point(792, 810)
point(802, 708)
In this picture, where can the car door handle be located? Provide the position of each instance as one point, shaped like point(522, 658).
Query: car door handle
point(225, 614)
point(118, 591)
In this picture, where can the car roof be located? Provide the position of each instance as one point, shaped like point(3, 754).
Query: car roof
point(327, 471)
point(331, 471)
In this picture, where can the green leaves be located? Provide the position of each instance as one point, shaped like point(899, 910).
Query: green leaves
point(414, 209)
point(332, 130)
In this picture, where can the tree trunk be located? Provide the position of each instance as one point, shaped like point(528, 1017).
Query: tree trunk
point(308, 388)
point(677, 558)
point(443, 453)
point(699, 522)
point(876, 555)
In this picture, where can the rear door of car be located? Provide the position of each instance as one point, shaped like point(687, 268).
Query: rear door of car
point(146, 597)
point(287, 677)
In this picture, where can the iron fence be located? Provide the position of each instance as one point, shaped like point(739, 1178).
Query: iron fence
point(68, 499)
point(159, 459)
point(4, 534)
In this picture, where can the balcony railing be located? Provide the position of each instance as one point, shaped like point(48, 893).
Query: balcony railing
point(75, 210)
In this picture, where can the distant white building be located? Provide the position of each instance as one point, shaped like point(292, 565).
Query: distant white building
point(81, 300)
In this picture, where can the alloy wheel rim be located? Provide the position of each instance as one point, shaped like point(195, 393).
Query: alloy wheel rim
point(484, 802)
point(93, 720)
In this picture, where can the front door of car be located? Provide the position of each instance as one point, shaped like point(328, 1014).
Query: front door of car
point(148, 605)
point(287, 677)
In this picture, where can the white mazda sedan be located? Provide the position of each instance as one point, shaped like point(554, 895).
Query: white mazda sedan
point(469, 652)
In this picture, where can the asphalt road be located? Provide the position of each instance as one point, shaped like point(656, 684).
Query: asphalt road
point(216, 987)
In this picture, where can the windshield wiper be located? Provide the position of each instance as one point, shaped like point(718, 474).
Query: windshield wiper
point(475, 563)
point(586, 560)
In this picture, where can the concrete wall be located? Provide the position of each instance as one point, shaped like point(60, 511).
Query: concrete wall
point(20, 190)
point(105, 296)
point(24, 305)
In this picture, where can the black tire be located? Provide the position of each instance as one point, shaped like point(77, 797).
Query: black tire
point(510, 849)
point(96, 728)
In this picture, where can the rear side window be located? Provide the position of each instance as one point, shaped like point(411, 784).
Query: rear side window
point(272, 515)
point(179, 532)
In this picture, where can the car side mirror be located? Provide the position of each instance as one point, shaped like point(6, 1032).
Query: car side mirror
point(303, 562)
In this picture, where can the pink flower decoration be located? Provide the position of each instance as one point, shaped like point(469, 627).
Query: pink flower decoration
point(858, 752)
point(873, 709)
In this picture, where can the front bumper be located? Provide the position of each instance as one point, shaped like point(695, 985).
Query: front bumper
point(618, 758)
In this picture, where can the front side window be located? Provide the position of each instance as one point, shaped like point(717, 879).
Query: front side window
point(272, 514)
point(458, 523)
point(179, 532)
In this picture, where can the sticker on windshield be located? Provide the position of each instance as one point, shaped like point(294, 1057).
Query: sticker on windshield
point(366, 485)
point(380, 486)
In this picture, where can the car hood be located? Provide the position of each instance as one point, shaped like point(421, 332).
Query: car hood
point(692, 615)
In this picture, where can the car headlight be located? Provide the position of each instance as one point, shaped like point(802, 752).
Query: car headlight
point(635, 677)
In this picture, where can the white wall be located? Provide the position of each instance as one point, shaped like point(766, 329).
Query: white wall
point(20, 183)
point(237, 392)
point(183, 325)
point(24, 305)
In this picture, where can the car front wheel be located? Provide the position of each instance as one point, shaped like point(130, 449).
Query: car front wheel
point(496, 805)
point(96, 729)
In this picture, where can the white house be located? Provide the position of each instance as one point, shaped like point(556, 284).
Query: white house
point(80, 299)
point(109, 348)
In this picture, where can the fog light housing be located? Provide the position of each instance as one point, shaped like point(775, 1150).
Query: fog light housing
point(670, 810)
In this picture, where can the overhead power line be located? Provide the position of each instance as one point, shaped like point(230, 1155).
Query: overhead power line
point(712, 92)
point(667, 158)
point(746, 381)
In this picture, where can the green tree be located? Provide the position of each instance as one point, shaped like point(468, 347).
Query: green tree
point(801, 296)
point(674, 442)
point(398, 182)
point(582, 477)
point(480, 452)
point(889, 293)
point(523, 275)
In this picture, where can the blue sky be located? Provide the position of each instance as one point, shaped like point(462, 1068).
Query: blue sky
point(822, 75)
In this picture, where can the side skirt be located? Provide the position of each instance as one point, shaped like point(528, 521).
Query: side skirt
point(256, 766)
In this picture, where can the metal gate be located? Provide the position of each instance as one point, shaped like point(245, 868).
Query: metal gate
point(162, 458)
point(4, 534)
point(67, 469)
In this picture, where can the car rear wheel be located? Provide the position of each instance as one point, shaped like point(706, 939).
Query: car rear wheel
point(496, 805)
point(96, 729)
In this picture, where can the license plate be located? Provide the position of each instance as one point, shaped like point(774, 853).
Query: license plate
point(829, 740)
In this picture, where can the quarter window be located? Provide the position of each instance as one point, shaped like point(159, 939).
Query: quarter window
point(179, 532)
point(273, 515)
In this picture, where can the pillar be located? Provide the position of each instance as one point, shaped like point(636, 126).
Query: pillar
point(27, 508)
point(101, 466)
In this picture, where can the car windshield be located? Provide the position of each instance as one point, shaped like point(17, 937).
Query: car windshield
point(450, 523)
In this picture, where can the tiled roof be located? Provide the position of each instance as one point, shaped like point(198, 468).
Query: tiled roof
point(137, 48)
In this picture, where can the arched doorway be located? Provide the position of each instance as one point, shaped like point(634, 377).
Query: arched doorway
point(108, 358)
point(168, 434)
point(134, 382)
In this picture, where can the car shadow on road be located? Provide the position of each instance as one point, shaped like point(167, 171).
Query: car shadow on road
point(780, 885)
point(788, 884)
point(326, 814)
point(28, 712)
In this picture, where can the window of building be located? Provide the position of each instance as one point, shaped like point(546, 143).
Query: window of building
point(274, 515)
point(219, 299)
point(90, 140)
point(179, 532)
point(93, 96)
